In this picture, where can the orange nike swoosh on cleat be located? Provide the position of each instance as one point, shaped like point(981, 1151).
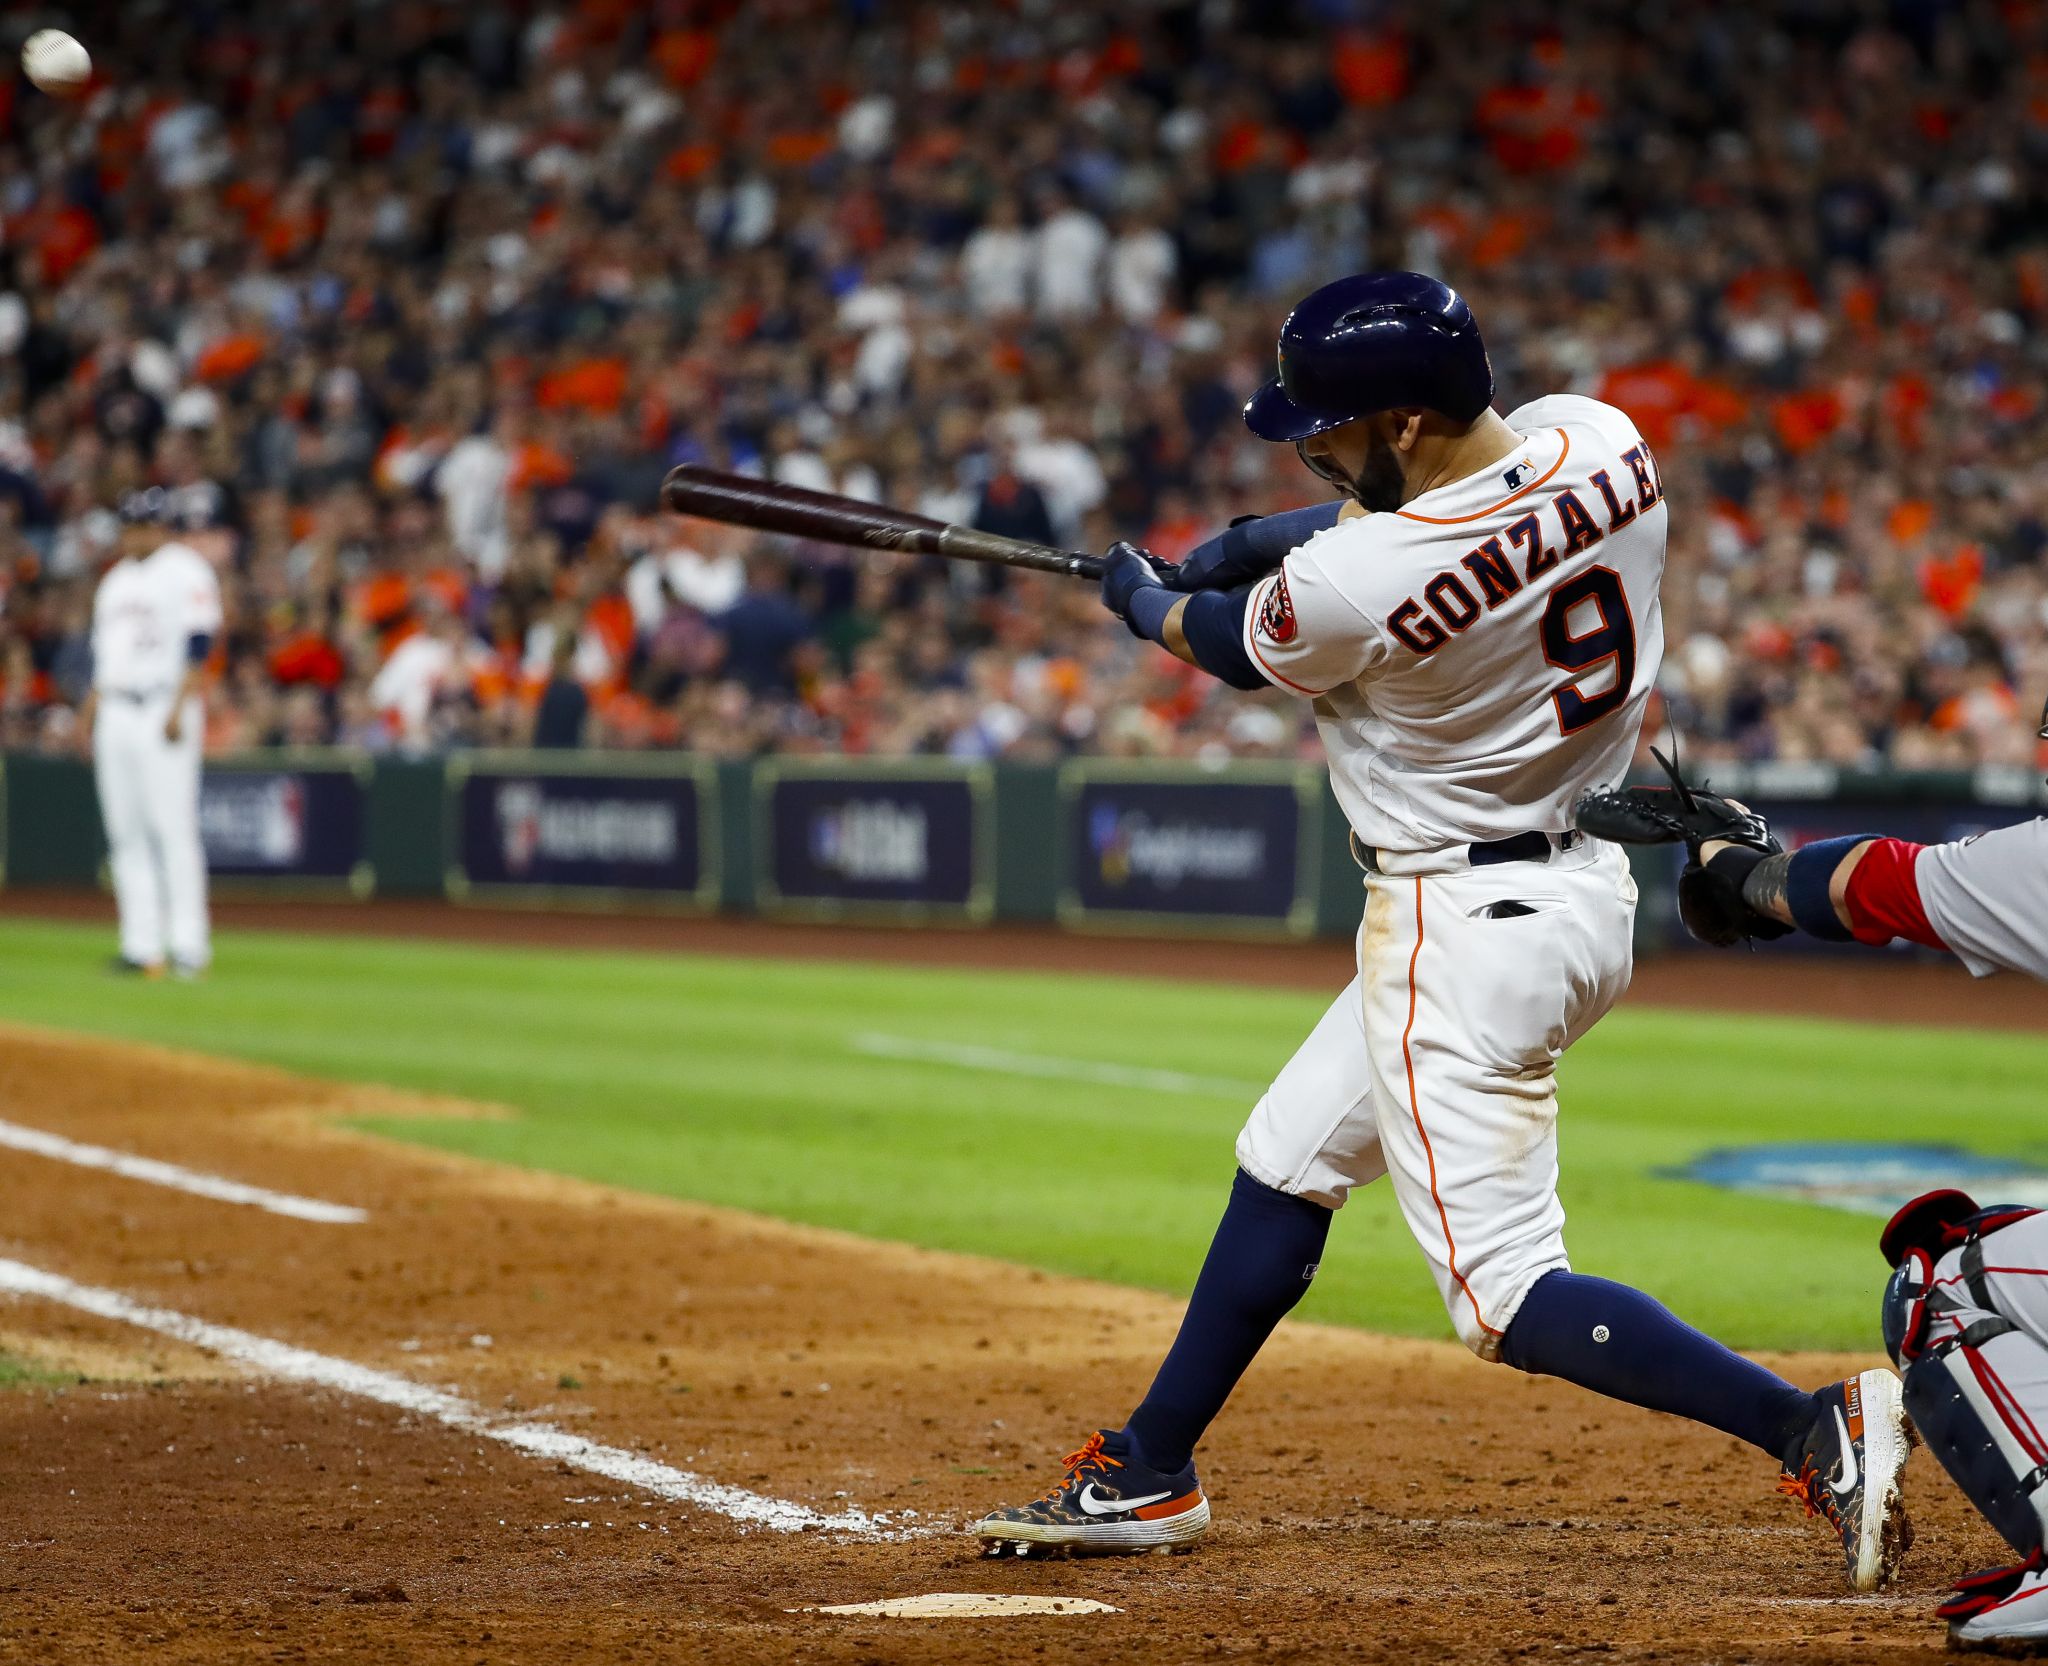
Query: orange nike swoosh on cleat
point(1172, 1507)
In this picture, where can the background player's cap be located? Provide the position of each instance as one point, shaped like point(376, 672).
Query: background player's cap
point(199, 507)
point(1372, 342)
point(149, 507)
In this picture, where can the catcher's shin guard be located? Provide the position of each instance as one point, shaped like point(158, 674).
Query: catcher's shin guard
point(1995, 1448)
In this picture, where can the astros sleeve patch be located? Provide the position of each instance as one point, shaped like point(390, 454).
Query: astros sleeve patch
point(1303, 635)
point(1276, 614)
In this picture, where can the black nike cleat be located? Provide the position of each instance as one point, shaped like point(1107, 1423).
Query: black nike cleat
point(1846, 1467)
point(1108, 1504)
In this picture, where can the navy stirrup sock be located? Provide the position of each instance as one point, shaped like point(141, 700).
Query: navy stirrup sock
point(1620, 1343)
point(1259, 1265)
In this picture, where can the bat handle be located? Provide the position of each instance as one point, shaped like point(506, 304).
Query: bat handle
point(965, 543)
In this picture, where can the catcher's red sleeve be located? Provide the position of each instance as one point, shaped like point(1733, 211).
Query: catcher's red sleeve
point(1884, 896)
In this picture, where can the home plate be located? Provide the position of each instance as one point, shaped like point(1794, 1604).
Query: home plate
point(963, 1605)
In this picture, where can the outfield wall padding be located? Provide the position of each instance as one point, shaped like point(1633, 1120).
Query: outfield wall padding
point(1093, 844)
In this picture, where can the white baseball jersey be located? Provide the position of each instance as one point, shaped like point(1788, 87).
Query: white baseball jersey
point(143, 615)
point(1987, 898)
point(1482, 655)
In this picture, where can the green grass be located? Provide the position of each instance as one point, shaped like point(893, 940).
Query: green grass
point(732, 1081)
point(16, 1372)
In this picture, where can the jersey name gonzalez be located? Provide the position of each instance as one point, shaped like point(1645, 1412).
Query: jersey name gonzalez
point(1482, 655)
point(1497, 574)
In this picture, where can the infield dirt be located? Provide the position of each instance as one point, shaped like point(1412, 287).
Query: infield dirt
point(1377, 1500)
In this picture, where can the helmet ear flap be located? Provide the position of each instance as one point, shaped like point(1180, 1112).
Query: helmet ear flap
point(1905, 1315)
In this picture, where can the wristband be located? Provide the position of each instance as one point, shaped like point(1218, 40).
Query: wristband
point(1150, 604)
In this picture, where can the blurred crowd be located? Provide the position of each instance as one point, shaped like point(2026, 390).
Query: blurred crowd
point(410, 304)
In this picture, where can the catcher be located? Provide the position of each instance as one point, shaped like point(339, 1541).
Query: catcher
point(1966, 1311)
point(1982, 899)
point(1966, 1322)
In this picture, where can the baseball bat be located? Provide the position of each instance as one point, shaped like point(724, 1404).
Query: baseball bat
point(740, 500)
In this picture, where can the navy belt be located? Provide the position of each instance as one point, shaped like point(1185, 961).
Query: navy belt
point(1523, 847)
point(1519, 847)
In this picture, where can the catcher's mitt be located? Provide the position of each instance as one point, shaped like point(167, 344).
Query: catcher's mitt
point(1710, 899)
point(1671, 815)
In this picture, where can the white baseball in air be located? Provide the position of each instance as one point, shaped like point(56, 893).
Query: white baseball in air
point(55, 61)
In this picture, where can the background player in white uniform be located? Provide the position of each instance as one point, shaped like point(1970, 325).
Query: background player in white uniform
point(154, 618)
point(1479, 648)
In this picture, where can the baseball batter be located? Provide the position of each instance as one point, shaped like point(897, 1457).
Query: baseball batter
point(154, 619)
point(1478, 645)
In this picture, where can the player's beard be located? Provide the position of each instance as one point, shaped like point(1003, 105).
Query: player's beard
point(1380, 486)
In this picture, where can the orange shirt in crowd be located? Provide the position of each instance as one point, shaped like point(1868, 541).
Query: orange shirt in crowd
point(1951, 582)
point(307, 657)
point(61, 234)
point(684, 56)
point(381, 600)
point(229, 357)
point(1911, 518)
point(1655, 394)
point(592, 384)
point(1805, 419)
point(1371, 69)
point(539, 464)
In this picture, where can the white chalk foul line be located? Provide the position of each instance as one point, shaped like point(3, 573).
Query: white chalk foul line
point(539, 1440)
point(1050, 1066)
point(220, 1189)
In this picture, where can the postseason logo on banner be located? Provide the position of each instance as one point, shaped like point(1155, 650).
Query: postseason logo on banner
point(591, 832)
point(871, 839)
point(266, 823)
point(1201, 848)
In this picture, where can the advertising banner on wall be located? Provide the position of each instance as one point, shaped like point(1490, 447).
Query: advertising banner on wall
point(587, 828)
point(1149, 849)
point(297, 823)
point(893, 839)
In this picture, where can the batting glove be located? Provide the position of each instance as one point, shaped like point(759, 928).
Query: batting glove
point(1133, 590)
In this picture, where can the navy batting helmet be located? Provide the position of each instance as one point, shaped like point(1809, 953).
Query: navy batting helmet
point(1375, 341)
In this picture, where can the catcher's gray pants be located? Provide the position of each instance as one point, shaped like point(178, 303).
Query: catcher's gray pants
point(1976, 1358)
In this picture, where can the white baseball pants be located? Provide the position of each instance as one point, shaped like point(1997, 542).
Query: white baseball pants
point(1437, 1065)
point(149, 803)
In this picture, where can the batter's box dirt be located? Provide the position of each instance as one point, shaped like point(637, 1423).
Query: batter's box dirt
point(1377, 1500)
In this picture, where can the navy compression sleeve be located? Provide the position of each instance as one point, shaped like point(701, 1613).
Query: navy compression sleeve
point(1251, 549)
point(1212, 622)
